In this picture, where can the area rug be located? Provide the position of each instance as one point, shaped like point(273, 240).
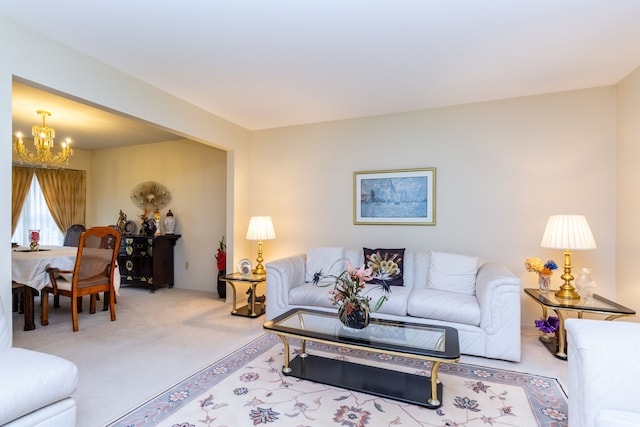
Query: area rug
point(247, 388)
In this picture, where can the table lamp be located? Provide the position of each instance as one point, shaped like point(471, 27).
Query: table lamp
point(260, 228)
point(568, 232)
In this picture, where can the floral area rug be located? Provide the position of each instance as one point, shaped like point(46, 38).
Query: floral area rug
point(247, 388)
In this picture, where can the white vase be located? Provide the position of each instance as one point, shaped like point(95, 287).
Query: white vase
point(585, 284)
point(170, 223)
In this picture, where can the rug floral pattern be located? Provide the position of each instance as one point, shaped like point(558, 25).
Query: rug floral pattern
point(247, 388)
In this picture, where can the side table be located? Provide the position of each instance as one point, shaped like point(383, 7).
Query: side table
point(254, 308)
point(599, 305)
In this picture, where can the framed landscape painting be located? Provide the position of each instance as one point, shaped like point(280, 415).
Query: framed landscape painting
point(400, 197)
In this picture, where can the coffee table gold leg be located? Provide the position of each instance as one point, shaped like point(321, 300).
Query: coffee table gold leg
point(434, 384)
point(303, 349)
point(286, 369)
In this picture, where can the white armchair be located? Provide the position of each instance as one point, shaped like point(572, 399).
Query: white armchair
point(35, 388)
point(604, 371)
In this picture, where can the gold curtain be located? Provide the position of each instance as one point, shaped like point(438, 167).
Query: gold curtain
point(64, 191)
point(20, 182)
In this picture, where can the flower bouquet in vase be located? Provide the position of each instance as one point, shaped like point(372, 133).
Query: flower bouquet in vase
point(221, 263)
point(544, 270)
point(349, 294)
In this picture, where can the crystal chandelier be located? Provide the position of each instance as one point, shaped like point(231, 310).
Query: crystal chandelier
point(43, 140)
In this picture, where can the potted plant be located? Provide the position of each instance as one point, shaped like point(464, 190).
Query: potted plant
point(221, 263)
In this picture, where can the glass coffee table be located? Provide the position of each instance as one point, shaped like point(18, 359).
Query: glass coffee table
point(438, 344)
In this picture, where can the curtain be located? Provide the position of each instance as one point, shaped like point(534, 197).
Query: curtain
point(65, 193)
point(21, 181)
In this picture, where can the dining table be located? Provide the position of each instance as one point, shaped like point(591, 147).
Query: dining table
point(29, 268)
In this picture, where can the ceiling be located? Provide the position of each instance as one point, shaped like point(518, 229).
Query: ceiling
point(272, 63)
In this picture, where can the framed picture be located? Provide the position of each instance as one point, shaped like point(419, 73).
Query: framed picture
point(399, 197)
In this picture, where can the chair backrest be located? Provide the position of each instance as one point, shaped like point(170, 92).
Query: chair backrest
point(97, 254)
point(72, 237)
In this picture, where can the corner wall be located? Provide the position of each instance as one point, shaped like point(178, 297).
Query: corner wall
point(502, 168)
point(628, 192)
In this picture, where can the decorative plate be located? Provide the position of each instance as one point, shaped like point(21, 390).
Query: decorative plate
point(129, 227)
point(244, 267)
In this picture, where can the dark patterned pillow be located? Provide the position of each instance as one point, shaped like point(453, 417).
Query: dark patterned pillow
point(387, 265)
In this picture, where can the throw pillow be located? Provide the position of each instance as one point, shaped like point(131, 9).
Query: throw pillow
point(323, 262)
point(453, 272)
point(387, 265)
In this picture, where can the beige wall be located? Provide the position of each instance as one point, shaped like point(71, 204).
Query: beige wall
point(502, 169)
point(628, 191)
point(72, 73)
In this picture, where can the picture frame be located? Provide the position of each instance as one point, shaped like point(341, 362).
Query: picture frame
point(395, 197)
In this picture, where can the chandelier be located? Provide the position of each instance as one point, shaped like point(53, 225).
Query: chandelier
point(43, 140)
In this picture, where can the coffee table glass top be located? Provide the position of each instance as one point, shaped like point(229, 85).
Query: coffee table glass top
point(598, 303)
point(424, 340)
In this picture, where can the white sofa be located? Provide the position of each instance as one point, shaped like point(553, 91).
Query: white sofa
point(486, 313)
point(35, 388)
point(604, 372)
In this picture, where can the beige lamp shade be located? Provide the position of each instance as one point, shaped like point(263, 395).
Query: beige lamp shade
point(260, 228)
point(568, 232)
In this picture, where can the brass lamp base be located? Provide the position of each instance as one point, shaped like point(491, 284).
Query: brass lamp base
point(259, 267)
point(567, 292)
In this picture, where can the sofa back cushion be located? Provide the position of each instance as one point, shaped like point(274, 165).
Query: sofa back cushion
point(323, 262)
point(453, 272)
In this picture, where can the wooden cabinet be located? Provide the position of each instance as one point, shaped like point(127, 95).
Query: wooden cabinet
point(147, 261)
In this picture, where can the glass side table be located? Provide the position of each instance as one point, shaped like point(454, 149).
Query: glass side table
point(255, 304)
point(599, 305)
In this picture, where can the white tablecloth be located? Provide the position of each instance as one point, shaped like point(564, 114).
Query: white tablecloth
point(30, 268)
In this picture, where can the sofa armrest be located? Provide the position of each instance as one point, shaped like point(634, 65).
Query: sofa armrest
point(283, 275)
point(603, 368)
point(498, 294)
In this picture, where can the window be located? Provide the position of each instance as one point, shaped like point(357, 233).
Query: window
point(35, 214)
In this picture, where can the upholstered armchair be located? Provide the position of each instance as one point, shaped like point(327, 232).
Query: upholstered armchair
point(604, 372)
point(35, 387)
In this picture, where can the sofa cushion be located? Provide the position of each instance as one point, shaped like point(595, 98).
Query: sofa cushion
point(323, 262)
point(453, 272)
point(444, 305)
point(386, 265)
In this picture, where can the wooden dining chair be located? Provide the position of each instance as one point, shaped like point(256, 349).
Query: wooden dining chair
point(93, 273)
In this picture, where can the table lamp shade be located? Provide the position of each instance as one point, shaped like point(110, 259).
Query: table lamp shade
point(260, 228)
point(568, 232)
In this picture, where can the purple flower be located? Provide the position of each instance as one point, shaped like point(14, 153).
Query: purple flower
point(550, 325)
point(551, 265)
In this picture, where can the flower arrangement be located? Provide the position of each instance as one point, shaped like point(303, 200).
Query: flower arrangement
point(221, 256)
point(349, 293)
point(544, 271)
point(548, 325)
point(535, 265)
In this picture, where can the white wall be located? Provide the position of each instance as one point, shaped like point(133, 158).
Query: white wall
point(502, 168)
point(628, 192)
point(70, 72)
